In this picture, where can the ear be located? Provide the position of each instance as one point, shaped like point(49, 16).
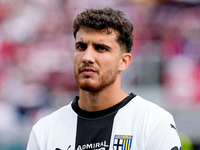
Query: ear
point(125, 61)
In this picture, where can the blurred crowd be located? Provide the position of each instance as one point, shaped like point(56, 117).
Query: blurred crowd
point(36, 53)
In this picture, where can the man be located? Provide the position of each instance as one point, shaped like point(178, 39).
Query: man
point(104, 117)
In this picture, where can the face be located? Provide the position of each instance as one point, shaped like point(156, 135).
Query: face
point(96, 59)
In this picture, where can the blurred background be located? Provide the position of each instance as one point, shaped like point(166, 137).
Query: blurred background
point(36, 61)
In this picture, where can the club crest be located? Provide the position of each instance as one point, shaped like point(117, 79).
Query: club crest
point(122, 142)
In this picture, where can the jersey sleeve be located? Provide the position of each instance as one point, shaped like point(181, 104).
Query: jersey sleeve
point(38, 135)
point(32, 142)
point(164, 136)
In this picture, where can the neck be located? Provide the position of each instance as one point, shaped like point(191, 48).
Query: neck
point(95, 101)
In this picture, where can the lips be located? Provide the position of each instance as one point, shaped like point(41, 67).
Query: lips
point(87, 71)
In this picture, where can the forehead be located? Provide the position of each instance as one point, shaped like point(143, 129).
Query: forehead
point(86, 33)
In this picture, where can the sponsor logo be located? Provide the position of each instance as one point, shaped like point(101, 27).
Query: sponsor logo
point(176, 148)
point(122, 142)
point(94, 146)
point(172, 126)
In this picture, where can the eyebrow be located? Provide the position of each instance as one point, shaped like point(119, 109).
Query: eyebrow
point(94, 44)
point(80, 42)
point(102, 45)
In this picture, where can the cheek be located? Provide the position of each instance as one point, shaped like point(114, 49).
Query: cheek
point(111, 64)
point(77, 58)
point(76, 65)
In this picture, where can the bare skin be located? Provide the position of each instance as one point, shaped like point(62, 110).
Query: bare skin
point(98, 66)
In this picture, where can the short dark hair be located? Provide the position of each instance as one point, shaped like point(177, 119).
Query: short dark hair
point(107, 18)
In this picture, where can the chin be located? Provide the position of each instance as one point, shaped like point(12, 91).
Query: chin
point(90, 88)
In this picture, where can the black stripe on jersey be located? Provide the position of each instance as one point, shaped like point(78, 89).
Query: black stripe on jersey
point(94, 128)
point(94, 133)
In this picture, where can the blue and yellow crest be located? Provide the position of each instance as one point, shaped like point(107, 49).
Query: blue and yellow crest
point(122, 142)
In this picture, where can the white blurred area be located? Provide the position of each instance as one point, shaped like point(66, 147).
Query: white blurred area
point(36, 60)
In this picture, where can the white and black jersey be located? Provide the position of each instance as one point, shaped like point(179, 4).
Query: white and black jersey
point(132, 124)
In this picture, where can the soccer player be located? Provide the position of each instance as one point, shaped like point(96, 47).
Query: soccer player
point(103, 117)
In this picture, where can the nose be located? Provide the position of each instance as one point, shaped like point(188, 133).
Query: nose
point(88, 56)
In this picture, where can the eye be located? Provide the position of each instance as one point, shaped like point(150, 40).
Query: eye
point(81, 47)
point(100, 48)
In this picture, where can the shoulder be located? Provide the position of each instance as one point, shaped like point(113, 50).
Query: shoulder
point(158, 124)
point(153, 116)
point(52, 124)
point(51, 119)
point(146, 112)
point(148, 107)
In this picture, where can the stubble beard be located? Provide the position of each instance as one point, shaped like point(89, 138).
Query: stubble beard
point(96, 85)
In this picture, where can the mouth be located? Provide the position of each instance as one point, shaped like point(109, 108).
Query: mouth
point(87, 71)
